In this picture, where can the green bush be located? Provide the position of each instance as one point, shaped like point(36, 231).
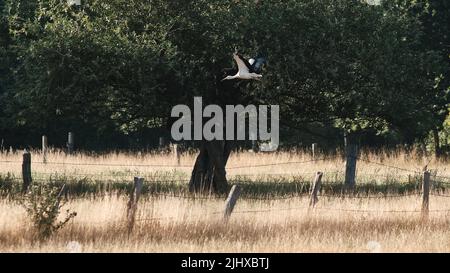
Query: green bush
point(43, 206)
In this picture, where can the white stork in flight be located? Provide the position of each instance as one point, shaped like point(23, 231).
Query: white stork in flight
point(247, 70)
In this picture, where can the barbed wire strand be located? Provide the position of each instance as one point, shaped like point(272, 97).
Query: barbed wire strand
point(369, 197)
point(230, 167)
point(160, 165)
point(276, 164)
point(389, 166)
point(440, 195)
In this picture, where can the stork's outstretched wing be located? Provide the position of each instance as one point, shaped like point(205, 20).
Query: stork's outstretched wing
point(243, 65)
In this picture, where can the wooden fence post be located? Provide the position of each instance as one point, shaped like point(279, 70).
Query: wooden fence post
point(315, 189)
point(350, 165)
point(44, 149)
point(70, 142)
point(231, 201)
point(176, 153)
point(425, 194)
point(132, 203)
point(314, 150)
point(26, 170)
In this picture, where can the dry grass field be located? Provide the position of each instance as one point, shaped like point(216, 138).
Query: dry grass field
point(174, 221)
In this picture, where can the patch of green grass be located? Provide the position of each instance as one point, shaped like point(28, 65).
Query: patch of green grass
point(252, 187)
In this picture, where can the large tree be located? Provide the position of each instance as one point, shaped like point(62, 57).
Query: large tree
point(345, 64)
point(114, 68)
point(102, 68)
point(433, 18)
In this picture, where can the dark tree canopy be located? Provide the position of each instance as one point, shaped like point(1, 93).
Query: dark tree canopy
point(112, 70)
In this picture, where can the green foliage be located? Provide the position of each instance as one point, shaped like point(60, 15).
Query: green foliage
point(43, 207)
point(115, 68)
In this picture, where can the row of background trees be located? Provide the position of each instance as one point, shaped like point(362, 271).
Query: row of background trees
point(112, 70)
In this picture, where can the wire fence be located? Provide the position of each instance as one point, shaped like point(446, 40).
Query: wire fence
point(389, 166)
point(377, 196)
point(162, 165)
point(440, 195)
point(266, 198)
point(228, 167)
point(101, 164)
point(165, 178)
point(236, 178)
point(256, 211)
point(185, 216)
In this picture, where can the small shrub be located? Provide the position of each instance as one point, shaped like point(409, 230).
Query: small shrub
point(43, 206)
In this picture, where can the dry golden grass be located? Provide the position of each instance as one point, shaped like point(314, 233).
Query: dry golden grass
point(181, 225)
point(171, 224)
point(132, 164)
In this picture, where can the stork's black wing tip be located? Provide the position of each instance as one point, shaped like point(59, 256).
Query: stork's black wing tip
point(260, 60)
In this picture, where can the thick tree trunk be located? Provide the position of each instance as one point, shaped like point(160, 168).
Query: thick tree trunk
point(209, 175)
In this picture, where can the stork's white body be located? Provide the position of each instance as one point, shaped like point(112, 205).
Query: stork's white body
point(243, 71)
point(247, 76)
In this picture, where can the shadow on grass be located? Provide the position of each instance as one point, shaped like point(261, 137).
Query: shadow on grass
point(264, 187)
